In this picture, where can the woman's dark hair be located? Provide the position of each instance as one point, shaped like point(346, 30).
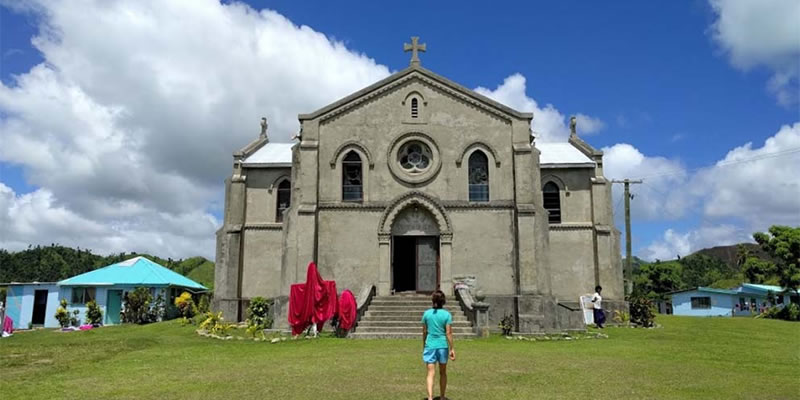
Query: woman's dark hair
point(598, 288)
point(438, 299)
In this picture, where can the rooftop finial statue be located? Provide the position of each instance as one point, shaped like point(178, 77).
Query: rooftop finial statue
point(573, 126)
point(264, 126)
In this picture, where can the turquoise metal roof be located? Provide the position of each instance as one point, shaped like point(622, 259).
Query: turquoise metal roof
point(137, 271)
point(757, 288)
point(714, 290)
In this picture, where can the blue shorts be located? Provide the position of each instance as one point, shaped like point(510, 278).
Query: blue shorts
point(432, 356)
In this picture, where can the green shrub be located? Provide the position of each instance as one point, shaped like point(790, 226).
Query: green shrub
point(62, 314)
point(74, 320)
point(622, 317)
point(790, 312)
point(258, 317)
point(203, 305)
point(215, 324)
point(94, 315)
point(642, 311)
point(140, 307)
point(506, 324)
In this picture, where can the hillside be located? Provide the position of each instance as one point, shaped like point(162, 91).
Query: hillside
point(730, 254)
point(54, 263)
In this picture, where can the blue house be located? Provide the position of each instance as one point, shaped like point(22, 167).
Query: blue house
point(745, 300)
point(34, 304)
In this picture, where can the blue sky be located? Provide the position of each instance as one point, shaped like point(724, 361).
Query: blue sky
point(674, 81)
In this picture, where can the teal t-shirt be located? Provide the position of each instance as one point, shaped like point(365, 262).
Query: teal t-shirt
point(436, 320)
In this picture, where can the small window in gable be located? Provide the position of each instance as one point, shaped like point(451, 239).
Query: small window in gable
point(284, 199)
point(414, 108)
point(552, 202)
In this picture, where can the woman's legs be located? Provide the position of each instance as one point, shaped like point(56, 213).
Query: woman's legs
point(431, 373)
point(442, 379)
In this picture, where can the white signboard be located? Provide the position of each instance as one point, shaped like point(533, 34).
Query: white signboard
point(587, 307)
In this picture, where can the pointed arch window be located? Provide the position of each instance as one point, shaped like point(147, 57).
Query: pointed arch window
point(478, 176)
point(352, 179)
point(414, 108)
point(551, 197)
point(284, 199)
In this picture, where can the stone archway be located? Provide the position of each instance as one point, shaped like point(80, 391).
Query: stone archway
point(415, 214)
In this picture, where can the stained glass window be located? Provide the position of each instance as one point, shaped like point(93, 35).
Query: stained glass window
point(352, 182)
point(478, 177)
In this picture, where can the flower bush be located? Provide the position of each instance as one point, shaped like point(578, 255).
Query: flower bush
point(186, 305)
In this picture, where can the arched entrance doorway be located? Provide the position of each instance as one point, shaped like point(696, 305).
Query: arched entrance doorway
point(423, 217)
point(415, 251)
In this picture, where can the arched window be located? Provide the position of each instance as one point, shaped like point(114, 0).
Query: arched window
point(352, 182)
point(414, 108)
point(552, 202)
point(478, 176)
point(284, 199)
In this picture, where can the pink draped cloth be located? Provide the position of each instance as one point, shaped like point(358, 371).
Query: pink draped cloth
point(312, 302)
point(8, 324)
point(347, 310)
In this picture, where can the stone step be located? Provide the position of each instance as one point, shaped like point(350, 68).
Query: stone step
point(400, 317)
point(396, 335)
point(404, 329)
point(413, 324)
point(401, 307)
point(406, 314)
point(409, 301)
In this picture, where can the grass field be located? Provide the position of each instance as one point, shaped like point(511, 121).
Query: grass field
point(703, 358)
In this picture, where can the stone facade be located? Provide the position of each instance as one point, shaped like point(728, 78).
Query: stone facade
point(409, 221)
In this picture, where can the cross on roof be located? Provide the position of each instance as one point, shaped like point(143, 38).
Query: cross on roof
point(414, 47)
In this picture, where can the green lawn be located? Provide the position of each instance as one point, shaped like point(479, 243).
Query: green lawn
point(704, 358)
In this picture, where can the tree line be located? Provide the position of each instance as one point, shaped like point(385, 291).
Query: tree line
point(55, 262)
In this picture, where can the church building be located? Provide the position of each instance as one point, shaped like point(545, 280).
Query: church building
point(416, 183)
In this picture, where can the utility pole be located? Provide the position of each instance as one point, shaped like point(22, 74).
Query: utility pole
point(628, 258)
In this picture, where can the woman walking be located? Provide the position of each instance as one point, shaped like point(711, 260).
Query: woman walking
point(437, 342)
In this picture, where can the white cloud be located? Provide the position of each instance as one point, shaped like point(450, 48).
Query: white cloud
point(759, 185)
point(764, 32)
point(660, 197)
point(37, 218)
point(549, 124)
point(130, 122)
point(747, 191)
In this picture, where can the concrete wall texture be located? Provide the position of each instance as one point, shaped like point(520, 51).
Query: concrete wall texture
point(505, 242)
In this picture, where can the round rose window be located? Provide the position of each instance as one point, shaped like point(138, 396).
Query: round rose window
point(414, 157)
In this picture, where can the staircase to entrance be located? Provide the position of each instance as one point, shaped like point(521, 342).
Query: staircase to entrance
point(398, 317)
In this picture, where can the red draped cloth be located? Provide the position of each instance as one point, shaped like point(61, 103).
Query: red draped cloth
point(347, 310)
point(312, 302)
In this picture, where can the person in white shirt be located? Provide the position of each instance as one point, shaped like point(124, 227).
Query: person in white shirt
point(597, 300)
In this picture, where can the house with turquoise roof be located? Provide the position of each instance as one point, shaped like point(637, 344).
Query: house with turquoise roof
point(746, 300)
point(34, 304)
